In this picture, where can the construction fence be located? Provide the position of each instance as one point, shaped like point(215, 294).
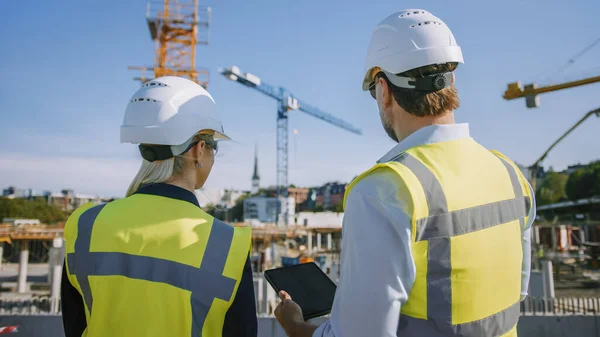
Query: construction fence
point(46, 305)
point(560, 306)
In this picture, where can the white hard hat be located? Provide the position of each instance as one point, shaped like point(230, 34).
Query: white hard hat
point(407, 40)
point(170, 111)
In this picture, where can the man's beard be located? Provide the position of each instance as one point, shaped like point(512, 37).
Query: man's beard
point(387, 126)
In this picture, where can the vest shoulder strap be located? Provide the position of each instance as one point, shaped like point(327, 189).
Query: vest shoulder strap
point(361, 177)
point(413, 195)
point(70, 230)
point(520, 183)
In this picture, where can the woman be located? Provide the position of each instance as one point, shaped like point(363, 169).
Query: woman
point(153, 263)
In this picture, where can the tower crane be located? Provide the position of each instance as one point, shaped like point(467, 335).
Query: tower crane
point(531, 91)
point(177, 26)
point(285, 102)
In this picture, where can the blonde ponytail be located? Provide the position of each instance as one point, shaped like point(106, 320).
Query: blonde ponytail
point(162, 171)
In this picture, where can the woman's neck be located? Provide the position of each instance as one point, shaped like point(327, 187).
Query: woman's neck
point(183, 183)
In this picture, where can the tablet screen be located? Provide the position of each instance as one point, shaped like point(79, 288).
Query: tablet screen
point(308, 286)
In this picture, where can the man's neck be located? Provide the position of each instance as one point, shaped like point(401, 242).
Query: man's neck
point(412, 123)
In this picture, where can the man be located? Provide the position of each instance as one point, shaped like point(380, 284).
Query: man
point(436, 235)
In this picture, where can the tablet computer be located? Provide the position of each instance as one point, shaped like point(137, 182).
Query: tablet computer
point(308, 286)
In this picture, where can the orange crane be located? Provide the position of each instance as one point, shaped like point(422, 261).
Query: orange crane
point(177, 26)
point(531, 91)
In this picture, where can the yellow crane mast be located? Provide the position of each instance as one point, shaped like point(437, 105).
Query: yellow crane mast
point(177, 26)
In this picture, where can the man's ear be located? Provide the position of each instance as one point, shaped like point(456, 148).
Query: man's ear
point(385, 91)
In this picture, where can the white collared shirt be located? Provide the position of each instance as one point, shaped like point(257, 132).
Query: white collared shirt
point(378, 269)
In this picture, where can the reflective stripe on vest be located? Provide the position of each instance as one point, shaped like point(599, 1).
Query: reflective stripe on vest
point(437, 228)
point(205, 283)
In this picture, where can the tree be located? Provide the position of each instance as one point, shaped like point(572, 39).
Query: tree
point(237, 211)
point(585, 182)
point(552, 189)
point(210, 209)
point(31, 209)
point(267, 192)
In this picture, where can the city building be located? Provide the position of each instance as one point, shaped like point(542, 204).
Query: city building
point(572, 168)
point(526, 171)
point(330, 195)
point(20, 222)
point(67, 200)
point(267, 209)
point(311, 201)
point(223, 198)
point(263, 209)
point(300, 196)
point(13, 193)
point(320, 219)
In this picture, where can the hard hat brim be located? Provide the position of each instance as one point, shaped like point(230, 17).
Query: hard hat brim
point(412, 60)
point(219, 136)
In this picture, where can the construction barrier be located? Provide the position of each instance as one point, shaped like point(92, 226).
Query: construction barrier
point(558, 317)
point(529, 326)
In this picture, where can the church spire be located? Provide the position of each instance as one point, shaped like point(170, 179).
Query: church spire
point(255, 176)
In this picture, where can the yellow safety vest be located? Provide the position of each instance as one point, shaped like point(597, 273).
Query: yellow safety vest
point(468, 207)
point(148, 265)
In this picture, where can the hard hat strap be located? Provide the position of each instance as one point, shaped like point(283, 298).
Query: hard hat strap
point(155, 152)
point(161, 152)
point(429, 83)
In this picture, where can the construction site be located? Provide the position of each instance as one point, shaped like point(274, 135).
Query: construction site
point(564, 295)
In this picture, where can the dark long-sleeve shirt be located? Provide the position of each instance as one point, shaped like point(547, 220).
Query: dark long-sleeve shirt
point(240, 319)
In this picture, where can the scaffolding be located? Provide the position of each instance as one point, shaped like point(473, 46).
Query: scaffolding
point(177, 27)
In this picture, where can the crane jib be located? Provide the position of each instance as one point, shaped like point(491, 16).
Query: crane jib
point(286, 102)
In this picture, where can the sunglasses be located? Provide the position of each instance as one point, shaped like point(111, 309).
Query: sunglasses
point(211, 143)
point(372, 90)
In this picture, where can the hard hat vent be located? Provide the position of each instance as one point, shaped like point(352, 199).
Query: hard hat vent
point(424, 23)
point(143, 99)
point(151, 84)
point(413, 13)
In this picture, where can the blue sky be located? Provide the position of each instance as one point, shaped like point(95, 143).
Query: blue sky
point(65, 84)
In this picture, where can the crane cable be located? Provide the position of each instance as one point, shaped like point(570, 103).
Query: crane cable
point(571, 61)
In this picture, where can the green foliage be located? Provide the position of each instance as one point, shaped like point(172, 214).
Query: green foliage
point(31, 209)
point(237, 211)
point(318, 208)
point(552, 188)
point(210, 209)
point(269, 193)
point(585, 182)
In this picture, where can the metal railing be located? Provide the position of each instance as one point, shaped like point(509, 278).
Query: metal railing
point(35, 305)
point(46, 305)
point(560, 306)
